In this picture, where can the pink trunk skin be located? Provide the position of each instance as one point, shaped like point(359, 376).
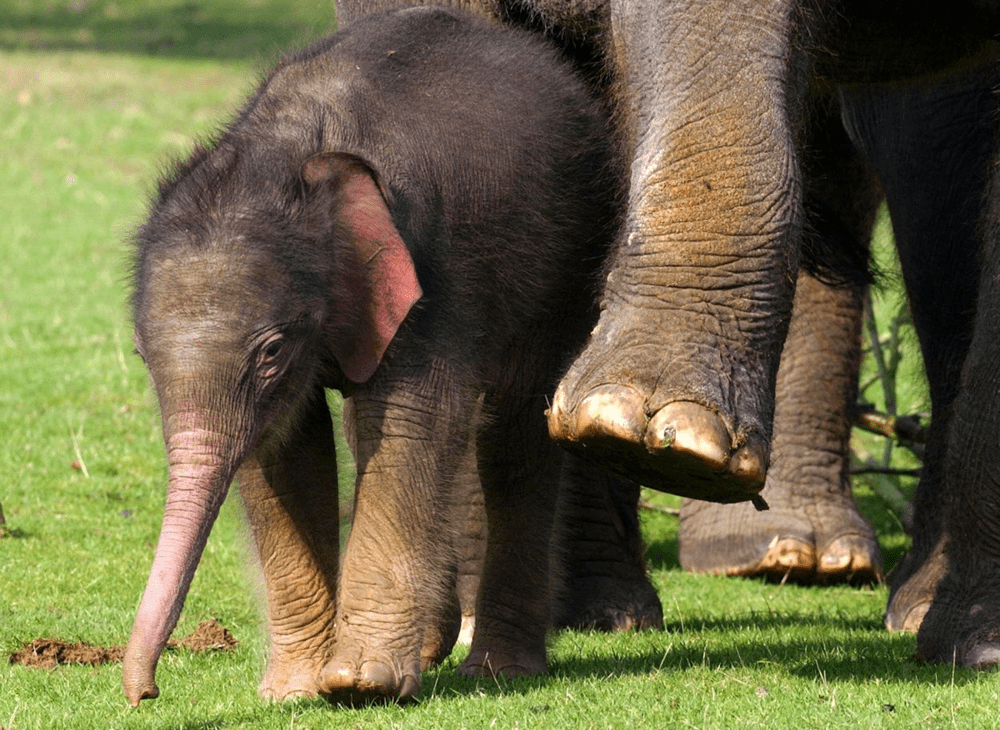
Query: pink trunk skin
point(199, 481)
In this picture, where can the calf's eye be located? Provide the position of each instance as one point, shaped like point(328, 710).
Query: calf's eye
point(269, 359)
point(273, 348)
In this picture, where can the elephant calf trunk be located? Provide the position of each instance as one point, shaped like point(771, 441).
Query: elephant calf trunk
point(138, 674)
point(195, 494)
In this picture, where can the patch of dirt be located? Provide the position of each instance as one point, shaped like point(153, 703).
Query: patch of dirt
point(209, 636)
point(49, 653)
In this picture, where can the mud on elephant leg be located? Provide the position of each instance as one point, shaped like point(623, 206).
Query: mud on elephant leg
point(290, 495)
point(443, 630)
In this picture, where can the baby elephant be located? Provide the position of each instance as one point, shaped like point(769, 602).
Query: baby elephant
point(413, 211)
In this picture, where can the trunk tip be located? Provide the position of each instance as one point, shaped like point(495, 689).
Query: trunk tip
point(138, 678)
point(136, 694)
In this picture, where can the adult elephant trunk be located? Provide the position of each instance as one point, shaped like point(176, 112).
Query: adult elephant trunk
point(198, 483)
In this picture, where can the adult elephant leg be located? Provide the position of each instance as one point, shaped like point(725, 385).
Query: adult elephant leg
point(290, 492)
point(931, 146)
point(398, 571)
point(676, 385)
point(605, 583)
point(962, 623)
point(813, 531)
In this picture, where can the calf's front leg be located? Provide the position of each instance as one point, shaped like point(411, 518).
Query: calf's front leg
point(398, 576)
point(289, 490)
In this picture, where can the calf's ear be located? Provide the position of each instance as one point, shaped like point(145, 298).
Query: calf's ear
point(378, 283)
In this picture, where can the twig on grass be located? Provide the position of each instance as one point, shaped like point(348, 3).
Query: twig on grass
point(79, 463)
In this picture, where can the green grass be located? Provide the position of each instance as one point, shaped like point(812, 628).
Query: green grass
point(94, 96)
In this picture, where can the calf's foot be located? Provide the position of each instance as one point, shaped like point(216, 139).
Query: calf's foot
point(354, 678)
point(507, 662)
point(611, 604)
point(286, 679)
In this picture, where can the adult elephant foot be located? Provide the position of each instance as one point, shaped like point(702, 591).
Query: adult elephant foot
point(812, 531)
point(914, 588)
point(962, 625)
point(682, 447)
point(829, 543)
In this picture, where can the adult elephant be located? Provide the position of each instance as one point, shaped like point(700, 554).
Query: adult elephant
point(696, 360)
point(813, 531)
point(934, 145)
point(676, 386)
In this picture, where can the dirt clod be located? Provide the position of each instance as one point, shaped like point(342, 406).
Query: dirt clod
point(209, 636)
point(48, 653)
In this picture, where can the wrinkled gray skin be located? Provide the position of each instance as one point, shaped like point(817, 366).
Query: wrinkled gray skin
point(413, 211)
point(676, 385)
point(813, 532)
point(602, 583)
point(944, 206)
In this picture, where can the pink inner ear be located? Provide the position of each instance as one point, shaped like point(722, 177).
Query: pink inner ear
point(389, 279)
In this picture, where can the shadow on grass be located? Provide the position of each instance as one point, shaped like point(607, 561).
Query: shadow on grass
point(813, 652)
point(870, 655)
point(192, 29)
point(662, 555)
